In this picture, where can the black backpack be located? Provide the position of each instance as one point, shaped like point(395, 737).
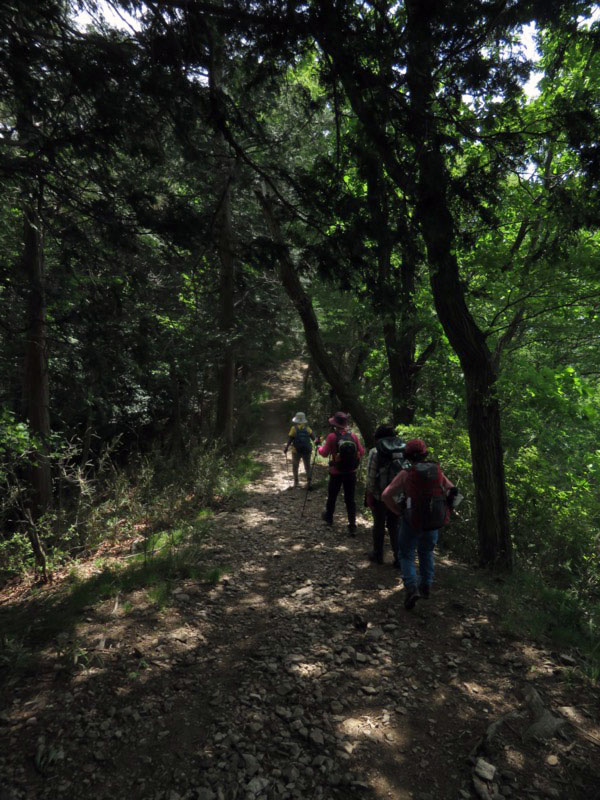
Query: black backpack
point(346, 458)
point(302, 441)
point(390, 460)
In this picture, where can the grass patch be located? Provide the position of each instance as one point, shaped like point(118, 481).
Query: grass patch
point(159, 594)
point(530, 607)
point(15, 657)
point(214, 575)
point(171, 556)
point(245, 470)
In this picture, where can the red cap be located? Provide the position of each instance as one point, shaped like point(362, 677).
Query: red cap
point(415, 447)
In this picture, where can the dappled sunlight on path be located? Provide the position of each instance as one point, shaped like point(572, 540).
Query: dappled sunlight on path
point(297, 674)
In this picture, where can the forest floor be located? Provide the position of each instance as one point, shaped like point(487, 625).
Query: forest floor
point(296, 674)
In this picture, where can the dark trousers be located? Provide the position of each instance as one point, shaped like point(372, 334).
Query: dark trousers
point(348, 481)
point(382, 518)
point(305, 458)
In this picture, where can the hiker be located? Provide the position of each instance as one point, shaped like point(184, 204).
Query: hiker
point(300, 438)
point(385, 461)
point(345, 451)
point(426, 498)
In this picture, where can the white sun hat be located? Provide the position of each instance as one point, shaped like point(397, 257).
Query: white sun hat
point(300, 418)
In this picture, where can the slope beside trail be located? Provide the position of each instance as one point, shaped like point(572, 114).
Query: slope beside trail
point(299, 675)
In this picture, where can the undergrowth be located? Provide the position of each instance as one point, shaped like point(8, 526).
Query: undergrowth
point(529, 608)
point(138, 503)
point(152, 529)
point(170, 557)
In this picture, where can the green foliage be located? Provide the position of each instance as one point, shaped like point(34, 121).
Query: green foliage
point(15, 657)
point(71, 653)
point(149, 494)
point(129, 216)
point(448, 443)
point(532, 607)
point(157, 571)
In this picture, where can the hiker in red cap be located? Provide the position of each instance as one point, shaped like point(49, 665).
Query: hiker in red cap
point(345, 451)
point(426, 496)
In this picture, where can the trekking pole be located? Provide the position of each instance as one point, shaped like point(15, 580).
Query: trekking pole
point(287, 466)
point(309, 481)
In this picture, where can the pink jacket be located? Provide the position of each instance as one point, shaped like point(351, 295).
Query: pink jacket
point(330, 449)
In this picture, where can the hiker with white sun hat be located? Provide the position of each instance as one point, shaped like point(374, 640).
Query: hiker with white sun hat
point(300, 438)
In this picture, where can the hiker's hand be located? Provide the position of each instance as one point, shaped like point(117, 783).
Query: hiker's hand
point(285, 449)
point(318, 441)
point(450, 496)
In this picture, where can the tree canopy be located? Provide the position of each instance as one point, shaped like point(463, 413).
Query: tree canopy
point(193, 195)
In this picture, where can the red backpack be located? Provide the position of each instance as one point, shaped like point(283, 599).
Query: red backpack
point(426, 507)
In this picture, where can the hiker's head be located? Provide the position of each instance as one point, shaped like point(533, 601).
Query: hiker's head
point(385, 432)
point(339, 420)
point(415, 450)
point(300, 418)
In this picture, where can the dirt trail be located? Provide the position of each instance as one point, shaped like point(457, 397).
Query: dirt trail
point(299, 675)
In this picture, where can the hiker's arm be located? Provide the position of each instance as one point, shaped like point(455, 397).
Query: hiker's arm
point(327, 448)
point(291, 435)
point(446, 484)
point(390, 492)
point(450, 490)
point(372, 473)
point(371, 480)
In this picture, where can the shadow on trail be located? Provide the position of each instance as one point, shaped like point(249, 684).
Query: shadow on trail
point(300, 675)
point(296, 675)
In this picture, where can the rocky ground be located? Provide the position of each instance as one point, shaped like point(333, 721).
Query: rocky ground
point(298, 675)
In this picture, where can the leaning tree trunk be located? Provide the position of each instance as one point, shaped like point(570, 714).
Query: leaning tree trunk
point(466, 338)
point(303, 305)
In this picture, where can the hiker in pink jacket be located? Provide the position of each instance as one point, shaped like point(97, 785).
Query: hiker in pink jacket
point(345, 451)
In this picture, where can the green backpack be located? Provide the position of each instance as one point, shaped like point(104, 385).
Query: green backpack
point(390, 460)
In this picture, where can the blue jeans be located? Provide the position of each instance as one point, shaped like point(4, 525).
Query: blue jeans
point(424, 542)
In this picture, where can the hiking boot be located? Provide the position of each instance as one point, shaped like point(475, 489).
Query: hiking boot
point(412, 595)
point(326, 518)
point(310, 487)
point(377, 558)
point(424, 591)
point(351, 529)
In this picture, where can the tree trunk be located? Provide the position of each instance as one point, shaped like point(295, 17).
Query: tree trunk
point(224, 240)
point(394, 294)
point(35, 378)
point(303, 305)
point(466, 338)
point(402, 377)
point(177, 440)
point(36, 389)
